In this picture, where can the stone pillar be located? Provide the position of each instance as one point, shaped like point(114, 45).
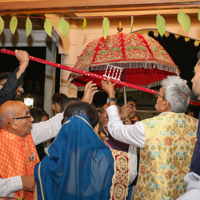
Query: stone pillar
point(69, 60)
point(68, 49)
point(50, 71)
point(69, 90)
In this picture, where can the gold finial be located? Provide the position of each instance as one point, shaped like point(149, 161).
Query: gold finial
point(196, 43)
point(187, 39)
point(120, 28)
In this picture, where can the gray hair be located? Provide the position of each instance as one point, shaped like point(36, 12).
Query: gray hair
point(5, 116)
point(177, 93)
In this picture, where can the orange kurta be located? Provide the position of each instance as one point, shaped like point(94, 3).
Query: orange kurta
point(18, 157)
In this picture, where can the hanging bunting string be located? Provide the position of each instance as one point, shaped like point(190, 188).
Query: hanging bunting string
point(116, 81)
point(63, 26)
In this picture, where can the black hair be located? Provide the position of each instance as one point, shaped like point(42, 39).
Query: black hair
point(4, 75)
point(194, 109)
point(198, 55)
point(38, 113)
point(80, 107)
point(120, 101)
point(65, 102)
point(58, 97)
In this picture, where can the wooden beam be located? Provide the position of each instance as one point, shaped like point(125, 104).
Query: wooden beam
point(92, 10)
point(136, 13)
point(75, 6)
point(21, 4)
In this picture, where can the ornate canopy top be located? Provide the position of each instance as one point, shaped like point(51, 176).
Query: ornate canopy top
point(129, 50)
point(143, 60)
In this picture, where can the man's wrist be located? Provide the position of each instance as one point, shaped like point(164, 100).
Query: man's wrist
point(109, 100)
point(111, 95)
point(24, 62)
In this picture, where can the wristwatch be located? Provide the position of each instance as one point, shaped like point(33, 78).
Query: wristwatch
point(111, 99)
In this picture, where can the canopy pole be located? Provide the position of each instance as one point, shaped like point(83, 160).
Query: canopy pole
point(124, 87)
point(9, 52)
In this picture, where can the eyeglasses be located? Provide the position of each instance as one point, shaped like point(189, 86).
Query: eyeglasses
point(22, 117)
point(158, 95)
point(28, 115)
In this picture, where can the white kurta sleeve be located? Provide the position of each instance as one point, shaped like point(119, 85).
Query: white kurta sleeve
point(129, 134)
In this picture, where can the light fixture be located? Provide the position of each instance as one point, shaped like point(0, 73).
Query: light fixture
point(29, 101)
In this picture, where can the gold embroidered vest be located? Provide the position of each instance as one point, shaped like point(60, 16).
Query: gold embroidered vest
point(17, 158)
point(121, 177)
point(165, 159)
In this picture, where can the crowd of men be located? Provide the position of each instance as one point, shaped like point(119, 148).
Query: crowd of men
point(165, 148)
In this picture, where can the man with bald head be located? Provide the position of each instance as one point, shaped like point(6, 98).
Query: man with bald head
point(18, 154)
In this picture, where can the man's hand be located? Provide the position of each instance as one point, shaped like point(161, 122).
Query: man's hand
point(125, 110)
point(90, 90)
point(22, 56)
point(28, 183)
point(108, 87)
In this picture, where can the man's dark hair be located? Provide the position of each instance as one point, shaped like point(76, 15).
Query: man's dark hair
point(58, 97)
point(65, 102)
point(80, 107)
point(120, 101)
point(4, 75)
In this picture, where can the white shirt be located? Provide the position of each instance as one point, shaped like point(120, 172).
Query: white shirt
point(40, 132)
point(130, 134)
point(132, 151)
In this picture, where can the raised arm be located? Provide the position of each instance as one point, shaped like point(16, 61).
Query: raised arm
point(46, 130)
point(14, 80)
point(43, 131)
point(89, 92)
point(23, 58)
point(129, 134)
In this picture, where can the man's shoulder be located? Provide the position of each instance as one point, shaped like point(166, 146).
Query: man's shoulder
point(170, 116)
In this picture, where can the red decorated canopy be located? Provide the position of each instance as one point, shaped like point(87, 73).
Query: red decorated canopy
point(144, 60)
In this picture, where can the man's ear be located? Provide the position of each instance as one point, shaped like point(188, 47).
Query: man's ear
point(165, 106)
point(12, 124)
point(53, 106)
